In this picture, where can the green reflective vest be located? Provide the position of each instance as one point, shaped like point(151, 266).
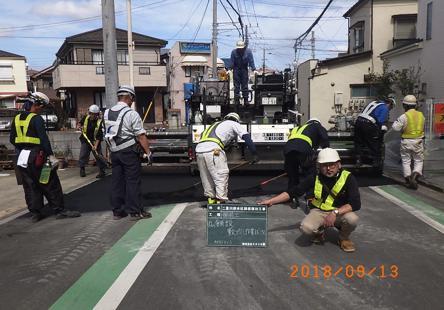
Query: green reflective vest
point(327, 205)
point(85, 128)
point(296, 133)
point(209, 134)
point(415, 125)
point(21, 135)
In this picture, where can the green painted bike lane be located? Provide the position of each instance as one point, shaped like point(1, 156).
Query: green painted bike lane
point(93, 284)
point(417, 204)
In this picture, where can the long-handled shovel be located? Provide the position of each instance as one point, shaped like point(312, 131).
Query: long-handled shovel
point(96, 154)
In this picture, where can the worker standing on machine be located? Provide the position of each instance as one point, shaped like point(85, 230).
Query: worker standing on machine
point(241, 60)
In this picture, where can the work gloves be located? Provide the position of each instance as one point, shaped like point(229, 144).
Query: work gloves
point(147, 158)
point(384, 128)
point(54, 162)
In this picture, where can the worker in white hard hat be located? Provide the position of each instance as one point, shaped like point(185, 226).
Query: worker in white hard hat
point(300, 150)
point(125, 137)
point(33, 150)
point(211, 157)
point(90, 140)
point(241, 59)
point(370, 127)
point(333, 197)
point(411, 124)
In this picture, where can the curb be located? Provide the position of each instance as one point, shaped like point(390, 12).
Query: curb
point(421, 181)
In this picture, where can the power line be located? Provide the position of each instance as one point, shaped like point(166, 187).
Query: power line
point(201, 21)
point(188, 20)
point(232, 21)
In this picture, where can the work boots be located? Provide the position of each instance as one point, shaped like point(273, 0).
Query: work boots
point(410, 182)
point(246, 103)
point(82, 172)
point(347, 245)
point(101, 174)
point(414, 180)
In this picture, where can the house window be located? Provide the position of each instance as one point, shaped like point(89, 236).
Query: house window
point(99, 99)
point(100, 70)
point(97, 58)
point(83, 55)
point(6, 72)
point(404, 29)
point(144, 70)
point(357, 31)
point(429, 20)
point(122, 57)
point(363, 90)
point(194, 71)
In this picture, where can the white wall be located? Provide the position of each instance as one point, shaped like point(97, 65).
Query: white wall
point(18, 85)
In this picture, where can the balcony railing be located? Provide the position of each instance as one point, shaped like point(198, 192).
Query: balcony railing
point(120, 63)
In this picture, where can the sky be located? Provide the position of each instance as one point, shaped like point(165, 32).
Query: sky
point(37, 28)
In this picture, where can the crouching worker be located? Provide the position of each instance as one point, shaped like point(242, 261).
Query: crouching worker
point(333, 196)
point(211, 158)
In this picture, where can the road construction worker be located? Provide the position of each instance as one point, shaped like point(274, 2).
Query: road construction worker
point(333, 198)
point(300, 149)
point(90, 140)
point(125, 136)
point(241, 60)
point(211, 157)
point(370, 127)
point(411, 124)
point(34, 151)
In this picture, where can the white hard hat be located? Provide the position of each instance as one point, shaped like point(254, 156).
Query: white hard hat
point(328, 155)
point(40, 98)
point(409, 100)
point(94, 109)
point(392, 98)
point(240, 44)
point(232, 116)
point(126, 90)
point(313, 119)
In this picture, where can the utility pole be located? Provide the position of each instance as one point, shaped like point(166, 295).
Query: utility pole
point(130, 49)
point(263, 63)
point(110, 52)
point(214, 41)
point(312, 45)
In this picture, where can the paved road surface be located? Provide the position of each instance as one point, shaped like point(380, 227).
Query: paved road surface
point(73, 263)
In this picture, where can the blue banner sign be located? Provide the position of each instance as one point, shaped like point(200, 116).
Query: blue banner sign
point(195, 48)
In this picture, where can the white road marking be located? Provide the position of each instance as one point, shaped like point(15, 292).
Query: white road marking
point(115, 294)
point(419, 214)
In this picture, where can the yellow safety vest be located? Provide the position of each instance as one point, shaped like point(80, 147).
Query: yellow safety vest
point(296, 133)
point(85, 128)
point(327, 205)
point(415, 125)
point(21, 135)
point(209, 134)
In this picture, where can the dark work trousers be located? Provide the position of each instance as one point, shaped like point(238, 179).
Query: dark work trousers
point(368, 134)
point(35, 191)
point(240, 79)
point(298, 165)
point(125, 192)
point(85, 151)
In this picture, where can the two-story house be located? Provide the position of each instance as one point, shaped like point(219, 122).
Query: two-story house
point(12, 78)
point(375, 26)
point(79, 72)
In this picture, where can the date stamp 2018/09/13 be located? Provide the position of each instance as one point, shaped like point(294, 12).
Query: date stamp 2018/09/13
point(306, 271)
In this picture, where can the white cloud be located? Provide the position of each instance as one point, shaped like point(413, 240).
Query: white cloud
point(66, 8)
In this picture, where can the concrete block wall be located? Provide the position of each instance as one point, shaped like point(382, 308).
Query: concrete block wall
point(62, 142)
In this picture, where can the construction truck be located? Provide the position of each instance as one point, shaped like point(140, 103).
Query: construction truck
point(269, 116)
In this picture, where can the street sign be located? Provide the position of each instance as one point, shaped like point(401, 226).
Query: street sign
point(439, 118)
point(237, 225)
